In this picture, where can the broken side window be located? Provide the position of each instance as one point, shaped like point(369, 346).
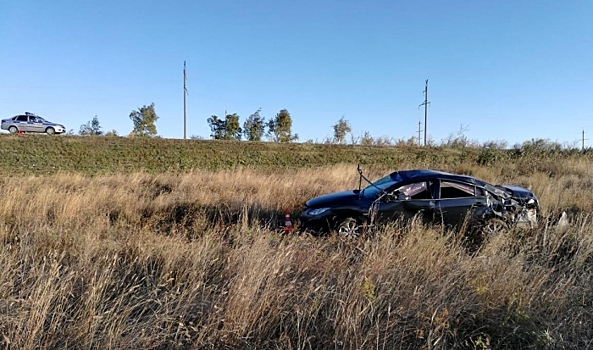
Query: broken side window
point(417, 190)
point(458, 190)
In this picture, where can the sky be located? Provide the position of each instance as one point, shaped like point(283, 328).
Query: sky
point(511, 70)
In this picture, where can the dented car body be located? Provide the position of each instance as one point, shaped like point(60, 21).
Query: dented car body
point(434, 197)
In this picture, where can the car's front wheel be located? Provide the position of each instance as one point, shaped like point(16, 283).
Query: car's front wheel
point(349, 228)
point(482, 232)
point(495, 226)
point(50, 131)
point(13, 130)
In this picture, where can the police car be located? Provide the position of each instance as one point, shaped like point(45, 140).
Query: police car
point(30, 122)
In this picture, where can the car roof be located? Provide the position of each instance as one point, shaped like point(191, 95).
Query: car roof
point(420, 174)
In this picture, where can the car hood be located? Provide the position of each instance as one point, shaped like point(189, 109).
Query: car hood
point(333, 199)
point(517, 192)
point(521, 194)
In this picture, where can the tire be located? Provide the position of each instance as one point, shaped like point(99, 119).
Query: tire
point(13, 129)
point(494, 227)
point(481, 233)
point(349, 228)
point(50, 131)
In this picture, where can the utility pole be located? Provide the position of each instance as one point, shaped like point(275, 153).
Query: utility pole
point(583, 139)
point(184, 102)
point(425, 104)
point(419, 131)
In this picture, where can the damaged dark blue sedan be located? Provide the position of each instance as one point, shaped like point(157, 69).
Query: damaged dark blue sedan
point(434, 197)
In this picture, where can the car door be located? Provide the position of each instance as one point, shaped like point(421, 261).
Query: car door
point(35, 125)
point(406, 202)
point(457, 202)
point(22, 122)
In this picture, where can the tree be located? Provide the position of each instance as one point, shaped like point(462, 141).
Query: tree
point(254, 127)
point(227, 129)
point(92, 128)
point(279, 128)
point(366, 139)
point(459, 140)
point(218, 127)
point(233, 128)
point(144, 119)
point(341, 128)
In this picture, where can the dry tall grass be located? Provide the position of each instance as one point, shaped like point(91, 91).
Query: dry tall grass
point(194, 261)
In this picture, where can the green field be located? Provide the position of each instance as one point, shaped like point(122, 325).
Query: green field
point(40, 154)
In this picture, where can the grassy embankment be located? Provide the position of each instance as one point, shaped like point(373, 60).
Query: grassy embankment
point(145, 254)
point(40, 154)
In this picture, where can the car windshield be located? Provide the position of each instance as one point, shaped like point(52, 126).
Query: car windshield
point(372, 190)
point(40, 120)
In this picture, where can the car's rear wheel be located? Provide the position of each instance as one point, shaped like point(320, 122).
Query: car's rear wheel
point(349, 228)
point(13, 130)
point(50, 131)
